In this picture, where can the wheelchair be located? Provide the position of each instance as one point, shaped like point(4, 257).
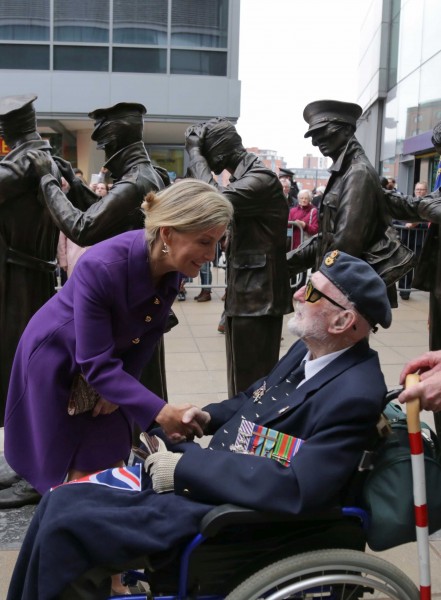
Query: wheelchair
point(243, 554)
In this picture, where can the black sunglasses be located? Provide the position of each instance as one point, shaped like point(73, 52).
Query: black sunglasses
point(313, 295)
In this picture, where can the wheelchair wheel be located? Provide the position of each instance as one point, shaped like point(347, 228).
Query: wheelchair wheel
point(329, 575)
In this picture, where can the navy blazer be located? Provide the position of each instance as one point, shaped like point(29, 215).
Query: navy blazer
point(334, 412)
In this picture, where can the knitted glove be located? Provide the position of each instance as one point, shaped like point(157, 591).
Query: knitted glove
point(161, 468)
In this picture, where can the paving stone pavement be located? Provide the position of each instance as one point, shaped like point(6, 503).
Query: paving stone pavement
point(196, 373)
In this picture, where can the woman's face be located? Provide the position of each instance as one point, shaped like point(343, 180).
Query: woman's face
point(189, 251)
point(303, 199)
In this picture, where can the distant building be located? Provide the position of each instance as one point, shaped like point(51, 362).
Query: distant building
point(315, 162)
point(269, 158)
point(309, 179)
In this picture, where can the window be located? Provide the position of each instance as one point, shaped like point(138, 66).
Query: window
point(140, 22)
point(139, 60)
point(393, 44)
point(24, 20)
point(203, 23)
point(29, 56)
point(198, 62)
point(81, 21)
point(81, 58)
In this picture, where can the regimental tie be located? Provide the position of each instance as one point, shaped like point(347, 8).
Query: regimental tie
point(284, 388)
point(298, 375)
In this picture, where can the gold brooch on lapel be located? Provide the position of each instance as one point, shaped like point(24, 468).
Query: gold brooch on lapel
point(330, 260)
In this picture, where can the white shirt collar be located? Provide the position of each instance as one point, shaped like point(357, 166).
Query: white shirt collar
point(313, 366)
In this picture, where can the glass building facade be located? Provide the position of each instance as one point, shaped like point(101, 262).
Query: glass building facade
point(400, 87)
point(136, 36)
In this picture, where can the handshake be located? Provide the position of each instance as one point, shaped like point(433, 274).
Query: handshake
point(181, 423)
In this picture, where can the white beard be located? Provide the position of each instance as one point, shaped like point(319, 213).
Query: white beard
point(305, 327)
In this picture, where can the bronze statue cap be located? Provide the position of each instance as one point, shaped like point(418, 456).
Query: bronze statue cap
point(12, 104)
point(286, 173)
point(321, 112)
point(121, 109)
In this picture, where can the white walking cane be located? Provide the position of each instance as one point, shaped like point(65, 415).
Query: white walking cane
point(419, 489)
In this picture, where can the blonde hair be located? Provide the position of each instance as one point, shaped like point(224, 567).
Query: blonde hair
point(187, 206)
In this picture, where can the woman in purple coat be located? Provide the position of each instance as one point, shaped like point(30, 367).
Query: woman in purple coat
point(105, 323)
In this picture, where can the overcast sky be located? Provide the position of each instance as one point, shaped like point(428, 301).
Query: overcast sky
point(293, 52)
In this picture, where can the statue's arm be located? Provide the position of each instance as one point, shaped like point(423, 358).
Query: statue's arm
point(100, 221)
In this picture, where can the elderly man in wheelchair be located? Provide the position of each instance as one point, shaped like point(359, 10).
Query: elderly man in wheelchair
point(286, 447)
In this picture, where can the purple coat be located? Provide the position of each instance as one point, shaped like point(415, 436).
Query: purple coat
point(105, 322)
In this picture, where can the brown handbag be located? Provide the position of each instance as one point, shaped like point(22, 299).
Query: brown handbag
point(83, 397)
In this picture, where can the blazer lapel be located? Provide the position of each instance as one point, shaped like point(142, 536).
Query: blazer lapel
point(275, 406)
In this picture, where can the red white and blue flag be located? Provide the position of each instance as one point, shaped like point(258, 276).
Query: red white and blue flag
point(120, 478)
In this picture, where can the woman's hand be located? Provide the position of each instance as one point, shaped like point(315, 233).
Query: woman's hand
point(176, 424)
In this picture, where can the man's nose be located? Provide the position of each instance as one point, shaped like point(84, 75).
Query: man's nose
point(300, 294)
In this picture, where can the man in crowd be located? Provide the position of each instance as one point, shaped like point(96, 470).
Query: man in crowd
point(289, 185)
point(87, 218)
point(351, 214)
point(328, 391)
point(258, 293)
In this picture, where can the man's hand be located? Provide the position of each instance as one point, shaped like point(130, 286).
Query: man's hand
point(428, 390)
point(42, 163)
point(65, 169)
point(426, 365)
point(170, 418)
point(195, 414)
point(161, 468)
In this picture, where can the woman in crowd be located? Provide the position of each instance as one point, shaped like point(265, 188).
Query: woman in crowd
point(305, 219)
point(305, 216)
point(104, 324)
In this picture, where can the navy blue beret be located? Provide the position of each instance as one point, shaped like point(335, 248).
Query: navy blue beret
point(360, 284)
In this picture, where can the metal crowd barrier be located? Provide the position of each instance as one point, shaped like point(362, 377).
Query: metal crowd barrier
point(218, 275)
point(413, 238)
point(295, 282)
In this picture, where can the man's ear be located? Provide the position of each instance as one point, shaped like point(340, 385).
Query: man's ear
point(342, 321)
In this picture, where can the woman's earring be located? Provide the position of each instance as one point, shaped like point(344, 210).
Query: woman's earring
point(165, 248)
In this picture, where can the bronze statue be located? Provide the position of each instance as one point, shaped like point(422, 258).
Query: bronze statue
point(28, 235)
point(82, 215)
point(258, 293)
point(351, 214)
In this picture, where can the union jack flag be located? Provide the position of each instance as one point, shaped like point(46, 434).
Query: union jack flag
point(120, 478)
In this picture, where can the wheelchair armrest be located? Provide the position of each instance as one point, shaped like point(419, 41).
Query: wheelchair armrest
point(393, 393)
point(230, 514)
